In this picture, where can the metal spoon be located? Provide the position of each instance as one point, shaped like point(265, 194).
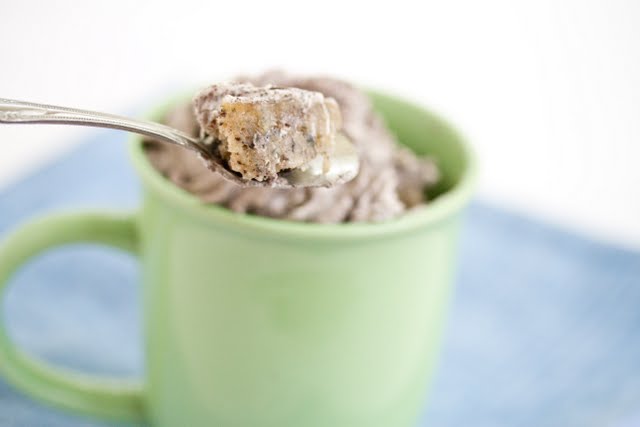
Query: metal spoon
point(343, 165)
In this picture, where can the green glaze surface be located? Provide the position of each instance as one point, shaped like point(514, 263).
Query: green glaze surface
point(252, 321)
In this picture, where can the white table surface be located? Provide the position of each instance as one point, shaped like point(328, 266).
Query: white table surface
point(548, 92)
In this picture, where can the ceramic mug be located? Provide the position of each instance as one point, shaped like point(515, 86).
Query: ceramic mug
point(252, 321)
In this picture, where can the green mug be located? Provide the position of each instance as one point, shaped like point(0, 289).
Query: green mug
point(252, 321)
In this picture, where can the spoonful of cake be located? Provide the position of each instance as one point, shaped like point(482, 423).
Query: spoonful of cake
point(253, 136)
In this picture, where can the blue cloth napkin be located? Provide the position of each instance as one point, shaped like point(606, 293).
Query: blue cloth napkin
point(544, 328)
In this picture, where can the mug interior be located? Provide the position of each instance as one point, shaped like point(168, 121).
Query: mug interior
point(428, 135)
point(421, 131)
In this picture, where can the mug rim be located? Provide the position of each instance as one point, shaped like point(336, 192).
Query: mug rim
point(442, 207)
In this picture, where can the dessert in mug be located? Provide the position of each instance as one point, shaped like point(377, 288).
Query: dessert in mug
point(391, 179)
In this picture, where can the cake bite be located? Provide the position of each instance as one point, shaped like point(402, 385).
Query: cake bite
point(263, 132)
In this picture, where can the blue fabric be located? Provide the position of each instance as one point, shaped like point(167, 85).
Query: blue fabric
point(544, 328)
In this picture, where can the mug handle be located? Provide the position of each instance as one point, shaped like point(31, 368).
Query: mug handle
point(102, 397)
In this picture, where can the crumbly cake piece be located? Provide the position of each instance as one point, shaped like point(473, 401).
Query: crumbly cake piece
point(260, 131)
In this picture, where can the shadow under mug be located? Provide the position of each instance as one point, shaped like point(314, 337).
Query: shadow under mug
point(252, 321)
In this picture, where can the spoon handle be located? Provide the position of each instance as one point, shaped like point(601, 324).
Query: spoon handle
point(13, 111)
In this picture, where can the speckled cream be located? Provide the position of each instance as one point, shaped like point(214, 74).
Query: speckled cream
point(391, 179)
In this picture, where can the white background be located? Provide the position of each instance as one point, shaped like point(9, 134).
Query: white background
point(547, 91)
